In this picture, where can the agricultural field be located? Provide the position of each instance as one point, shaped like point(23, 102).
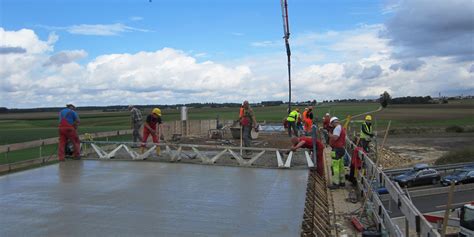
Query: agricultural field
point(21, 127)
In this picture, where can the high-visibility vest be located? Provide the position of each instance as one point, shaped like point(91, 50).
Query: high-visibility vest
point(362, 133)
point(293, 116)
point(305, 114)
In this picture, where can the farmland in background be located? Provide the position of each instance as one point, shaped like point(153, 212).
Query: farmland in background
point(21, 127)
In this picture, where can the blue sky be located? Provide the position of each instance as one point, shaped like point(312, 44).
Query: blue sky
point(220, 28)
point(107, 52)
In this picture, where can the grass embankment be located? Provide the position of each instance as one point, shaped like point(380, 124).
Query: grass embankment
point(459, 156)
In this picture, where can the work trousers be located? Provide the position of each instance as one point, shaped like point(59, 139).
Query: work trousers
point(292, 125)
point(337, 166)
point(146, 133)
point(364, 144)
point(136, 131)
point(246, 135)
point(65, 134)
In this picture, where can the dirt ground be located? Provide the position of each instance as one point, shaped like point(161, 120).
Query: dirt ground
point(408, 149)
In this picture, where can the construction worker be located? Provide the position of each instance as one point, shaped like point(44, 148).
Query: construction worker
point(299, 123)
point(308, 120)
point(292, 119)
point(135, 123)
point(68, 123)
point(366, 133)
point(337, 141)
point(326, 127)
point(247, 121)
point(326, 124)
point(152, 126)
point(307, 142)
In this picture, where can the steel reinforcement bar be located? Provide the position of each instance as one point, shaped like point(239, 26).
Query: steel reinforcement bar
point(175, 151)
point(316, 217)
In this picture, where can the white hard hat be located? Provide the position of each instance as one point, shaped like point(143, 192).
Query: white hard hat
point(333, 119)
point(327, 114)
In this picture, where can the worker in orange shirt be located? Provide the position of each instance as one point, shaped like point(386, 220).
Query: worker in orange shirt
point(308, 120)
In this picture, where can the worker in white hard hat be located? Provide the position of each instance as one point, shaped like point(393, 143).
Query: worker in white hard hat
point(337, 141)
point(135, 123)
point(366, 133)
point(152, 126)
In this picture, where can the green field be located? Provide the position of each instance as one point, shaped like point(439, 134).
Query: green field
point(20, 127)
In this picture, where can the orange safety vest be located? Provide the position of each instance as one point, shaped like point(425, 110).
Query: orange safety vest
point(304, 114)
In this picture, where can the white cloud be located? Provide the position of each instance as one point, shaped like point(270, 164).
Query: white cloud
point(136, 18)
point(97, 29)
point(324, 67)
point(266, 43)
point(65, 57)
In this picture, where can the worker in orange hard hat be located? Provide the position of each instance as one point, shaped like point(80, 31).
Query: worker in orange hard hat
point(152, 126)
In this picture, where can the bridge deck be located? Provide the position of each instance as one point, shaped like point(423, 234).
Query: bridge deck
point(123, 198)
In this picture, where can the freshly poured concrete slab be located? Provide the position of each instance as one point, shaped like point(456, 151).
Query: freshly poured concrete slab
point(107, 198)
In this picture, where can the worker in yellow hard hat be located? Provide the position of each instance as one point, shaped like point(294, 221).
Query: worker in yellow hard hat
point(152, 126)
point(366, 133)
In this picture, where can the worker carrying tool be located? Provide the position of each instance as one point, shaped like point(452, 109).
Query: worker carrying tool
point(152, 126)
point(307, 142)
point(366, 133)
point(247, 122)
point(68, 123)
point(292, 119)
point(337, 141)
point(135, 123)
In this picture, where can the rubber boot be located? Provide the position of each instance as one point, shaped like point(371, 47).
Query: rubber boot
point(158, 151)
point(335, 171)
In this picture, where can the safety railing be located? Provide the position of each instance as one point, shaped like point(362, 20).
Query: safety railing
point(414, 217)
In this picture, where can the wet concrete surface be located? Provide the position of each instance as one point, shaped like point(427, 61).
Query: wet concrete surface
point(126, 198)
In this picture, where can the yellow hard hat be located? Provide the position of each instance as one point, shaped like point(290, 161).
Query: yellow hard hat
point(156, 111)
point(368, 118)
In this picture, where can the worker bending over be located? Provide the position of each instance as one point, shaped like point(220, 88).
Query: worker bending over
point(152, 126)
point(68, 123)
point(337, 141)
point(307, 142)
point(366, 133)
point(247, 121)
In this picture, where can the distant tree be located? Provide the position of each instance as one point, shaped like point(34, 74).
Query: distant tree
point(385, 99)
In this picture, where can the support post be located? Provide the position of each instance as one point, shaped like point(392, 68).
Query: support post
point(446, 212)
